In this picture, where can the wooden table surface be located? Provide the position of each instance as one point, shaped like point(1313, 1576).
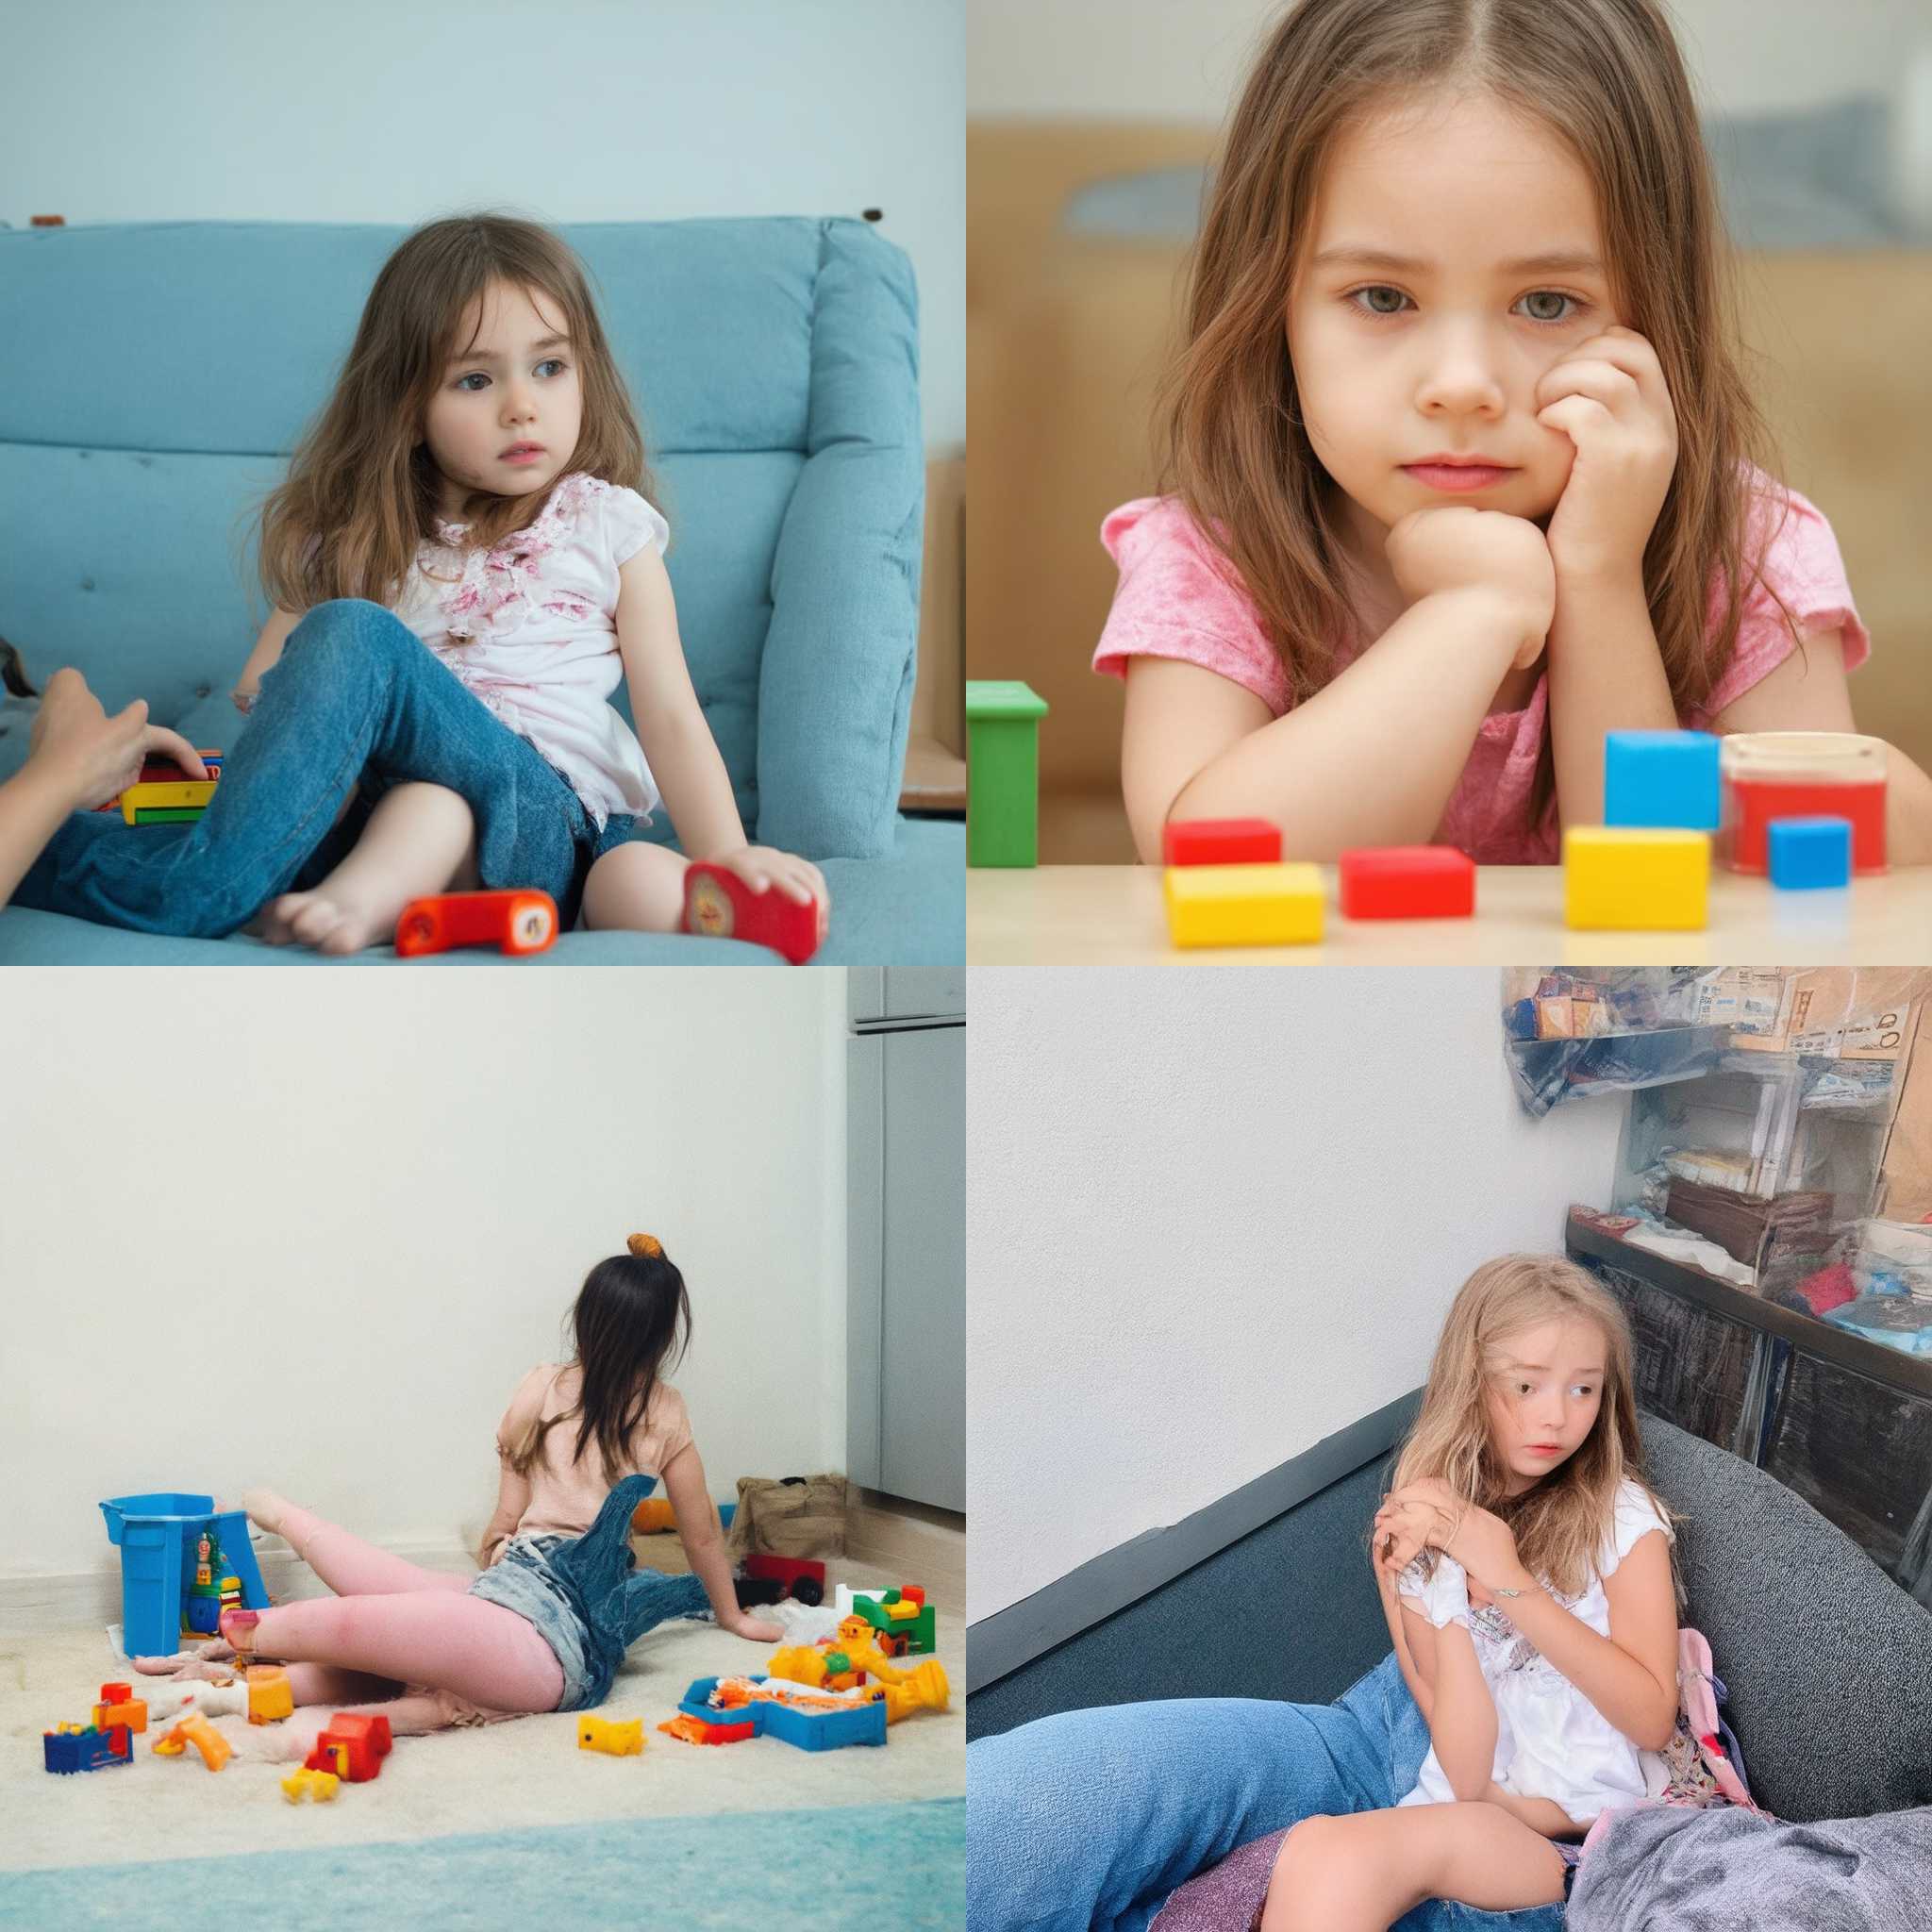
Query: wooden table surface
point(1090, 915)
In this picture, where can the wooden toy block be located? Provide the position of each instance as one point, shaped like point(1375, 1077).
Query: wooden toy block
point(1661, 779)
point(1406, 882)
point(719, 905)
point(1001, 772)
point(1244, 904)
point(1220, 841)
point(1631, 879)
point(1807, 853)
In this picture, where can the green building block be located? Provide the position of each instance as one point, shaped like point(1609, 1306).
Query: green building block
point(917, 1631)
point(1003, 772)
point(166, 814)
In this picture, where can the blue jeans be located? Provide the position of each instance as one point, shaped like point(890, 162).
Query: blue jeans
point(355, 703)
point(1093, 1817)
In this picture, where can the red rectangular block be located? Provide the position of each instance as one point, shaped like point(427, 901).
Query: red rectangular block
point(1220, 841)
point(1407, 882)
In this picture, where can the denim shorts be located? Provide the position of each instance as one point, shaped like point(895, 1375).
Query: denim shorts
point(521, 1580)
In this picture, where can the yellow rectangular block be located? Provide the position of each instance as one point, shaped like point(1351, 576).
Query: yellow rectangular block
point(1244, 904)
point(163, 793)
point(1634, 878)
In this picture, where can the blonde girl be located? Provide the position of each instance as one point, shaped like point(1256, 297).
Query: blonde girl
point(1460, 466)
point(464, 562)
point(1525, 1574)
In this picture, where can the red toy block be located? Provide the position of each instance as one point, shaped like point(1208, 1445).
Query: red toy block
point(804, 1577)
point(1407, 882)
point(718, 904)
point(353, 1746)
point(520, 922)
point(1220, 841)
point(913, 1593)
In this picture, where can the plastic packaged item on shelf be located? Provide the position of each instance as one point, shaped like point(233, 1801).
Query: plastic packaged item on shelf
point(1894, 1258)
point(1897, 1321)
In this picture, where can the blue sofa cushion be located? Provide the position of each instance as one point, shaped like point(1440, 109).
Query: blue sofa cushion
point(774, 366)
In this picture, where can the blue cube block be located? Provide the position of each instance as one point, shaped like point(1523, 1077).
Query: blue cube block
point(1661, 779)
point(1809, 853)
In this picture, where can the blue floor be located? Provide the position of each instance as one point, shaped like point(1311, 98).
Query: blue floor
point(890, 1866)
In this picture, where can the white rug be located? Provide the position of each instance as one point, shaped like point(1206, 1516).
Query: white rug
point(528, 1771)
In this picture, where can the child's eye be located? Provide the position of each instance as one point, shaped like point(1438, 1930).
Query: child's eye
point(544, 364)
point(1577, 306)
point(1522, 1388)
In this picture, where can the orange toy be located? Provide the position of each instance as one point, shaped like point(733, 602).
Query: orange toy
point(511, 921)
point(196, 1730)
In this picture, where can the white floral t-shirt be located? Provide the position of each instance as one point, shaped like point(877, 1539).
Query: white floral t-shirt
point(1551, 1740)
point(530, 627)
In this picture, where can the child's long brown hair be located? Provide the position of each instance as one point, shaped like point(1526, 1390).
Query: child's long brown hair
point(1605, 77)
point(631, 1321)
point(362, 492)
point(1560, 1523)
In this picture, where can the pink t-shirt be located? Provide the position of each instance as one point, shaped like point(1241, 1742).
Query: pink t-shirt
point(1175, 600)
point(566, 1496)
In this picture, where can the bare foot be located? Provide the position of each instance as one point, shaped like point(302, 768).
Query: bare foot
point(329, 918)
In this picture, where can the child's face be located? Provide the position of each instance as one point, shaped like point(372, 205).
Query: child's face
point(1543, 1397)
point(511, 387)
point(1394, 364)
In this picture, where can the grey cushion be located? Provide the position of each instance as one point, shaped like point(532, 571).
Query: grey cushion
point(1827, 1660)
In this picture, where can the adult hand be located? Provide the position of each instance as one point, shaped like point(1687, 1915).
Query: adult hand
point(1610, 398)
point(93, 756)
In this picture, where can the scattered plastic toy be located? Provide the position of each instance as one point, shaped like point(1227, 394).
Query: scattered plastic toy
point(615, 1739)
point(320, 1785)
point(718, 904)
point(516, 923)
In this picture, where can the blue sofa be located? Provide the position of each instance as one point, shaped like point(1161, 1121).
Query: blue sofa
point(170, 368)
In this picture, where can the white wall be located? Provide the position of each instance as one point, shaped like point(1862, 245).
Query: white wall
point(558, 110)
point(1152, 59)
point(1215, 1216)
point(310, 1231)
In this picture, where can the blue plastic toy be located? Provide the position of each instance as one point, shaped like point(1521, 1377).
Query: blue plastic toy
point(86, 1748)
point(1667, 778)
point(810, 1730)
point(155, 1535)
point(1809, 853)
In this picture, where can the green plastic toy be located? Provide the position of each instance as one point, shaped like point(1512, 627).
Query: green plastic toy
point(1003, 772)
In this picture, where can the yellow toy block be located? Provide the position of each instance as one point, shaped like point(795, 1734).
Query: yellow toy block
point(618, 1741)
point(166, 793)
point(321, 1785)
point(902, 1609)
point(271, 1696)
point(1244, 904)
point(1634, 878)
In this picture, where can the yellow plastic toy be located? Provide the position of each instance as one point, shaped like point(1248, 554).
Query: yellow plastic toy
point(1244, 904)
point(652, 1514)
point(922, 1688)
point(320, 1785)
point(271, 1696)
point(1634, 878)
point(196, 1730)
point(166, 794)
point(617, 1741)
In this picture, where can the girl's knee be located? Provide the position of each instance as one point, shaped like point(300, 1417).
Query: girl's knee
point(345, 625)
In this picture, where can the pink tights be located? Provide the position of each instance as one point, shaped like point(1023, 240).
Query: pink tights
point(392, 1623)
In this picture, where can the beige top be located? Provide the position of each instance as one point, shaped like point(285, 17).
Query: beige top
point(565, 1497)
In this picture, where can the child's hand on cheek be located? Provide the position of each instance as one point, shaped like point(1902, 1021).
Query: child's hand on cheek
point(1609, 396)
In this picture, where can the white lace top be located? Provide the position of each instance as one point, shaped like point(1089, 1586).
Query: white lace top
point(530, 627)
point(1551, 1740)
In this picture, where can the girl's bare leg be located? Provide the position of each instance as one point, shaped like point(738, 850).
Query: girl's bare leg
point(1360, 1873)
point(635, 888)
point(419, 839)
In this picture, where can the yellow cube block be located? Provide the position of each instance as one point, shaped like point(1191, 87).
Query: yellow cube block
point(1634, 878)
point(170, 793)
point(1244, 904)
